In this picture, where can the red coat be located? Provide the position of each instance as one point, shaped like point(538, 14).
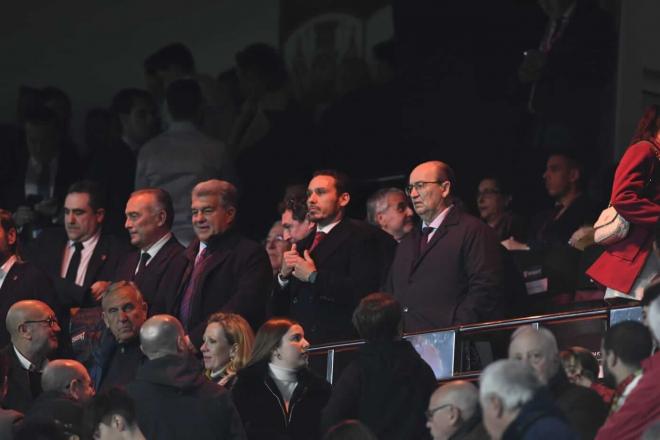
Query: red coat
point(639, 410)
point(639, 203)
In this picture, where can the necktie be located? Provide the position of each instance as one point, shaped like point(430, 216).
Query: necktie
point(188, 295)
point(72, 270)
point(318, 238)
point(34, 377)
point(424, 239)
point(43, 182)
point(144, 257)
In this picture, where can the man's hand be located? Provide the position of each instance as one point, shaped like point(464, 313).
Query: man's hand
point(303, 267)
point(513, 245)
point(582, 238)
point(288, 260)
point(98, 289)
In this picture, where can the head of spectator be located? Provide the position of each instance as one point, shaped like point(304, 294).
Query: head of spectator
point(149, 216)
point(651, 292)
point(124, 311)
point(98, 128)
point(184, 100)
point(8, 236)
point(68, 377)
point(33, 328)
point(162, 335)
point(378, 318)
point(83, 211)
point(43, 135)
point(213, 208)
point(282, 342)
point(328, 194)
point(59, 102)
point(228, 341)
point(554, 9)
point(624, 347)
point(654, 319)
point(276, 245)
point(166, 65)
point(112, 416)
point(580, 365)
point(295, 224)
point(493, 200)
point(504, 387)
point(430, 187)
point(261, 69)
point(538, 349)
point(350, 430)
point(563, 177)
point(388, 208)
point(648, 128)
point(450, 407)
point(135, 113)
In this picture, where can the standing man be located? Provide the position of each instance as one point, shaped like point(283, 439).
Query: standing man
point(225, 271)
point(325, 275)
point(158, 264)
point(449, 271)
point(388, 208)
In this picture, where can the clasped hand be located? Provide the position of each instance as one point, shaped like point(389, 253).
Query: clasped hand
point(294, 264)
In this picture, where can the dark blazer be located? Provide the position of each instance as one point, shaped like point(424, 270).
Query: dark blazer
point(24, 281)
point(236, 278)
point(161, 277)
point(456, 280)
point(15, 380)
point(47, 251)
point(351, 262)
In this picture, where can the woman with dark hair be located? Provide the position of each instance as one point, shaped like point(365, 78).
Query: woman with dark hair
point(627, 266)
point(277, 396)
point(494, 206)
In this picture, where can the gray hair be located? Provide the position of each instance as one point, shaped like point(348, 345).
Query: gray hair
point(377, 202)
point(654, 318)
point(512, 382)
point(225, 191)
point(550, 342)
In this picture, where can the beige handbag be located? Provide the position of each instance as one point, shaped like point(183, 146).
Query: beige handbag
point(610, 227)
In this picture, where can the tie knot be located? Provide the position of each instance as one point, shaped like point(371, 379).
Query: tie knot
point(78, 246)
point(426, 230)
point(319, 235)
point(144, 256)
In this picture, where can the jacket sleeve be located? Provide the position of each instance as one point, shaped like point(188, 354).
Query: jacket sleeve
point(630, 180)
point(234, 426)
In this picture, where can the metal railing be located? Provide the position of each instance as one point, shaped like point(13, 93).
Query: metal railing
point(438, 347)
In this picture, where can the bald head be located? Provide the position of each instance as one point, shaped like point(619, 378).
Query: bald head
point(451, 406)
point(538, 348)
point(162, 335)
point(429, 187)
point(28, 310)
point(33, 328)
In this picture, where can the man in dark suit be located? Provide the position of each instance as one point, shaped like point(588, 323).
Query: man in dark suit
point(18, 279)
point(158, 265)
point(450, 271)
point(326, 274)
point(33, 328)
point(225, 271)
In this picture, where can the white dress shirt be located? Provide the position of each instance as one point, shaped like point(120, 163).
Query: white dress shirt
point(5, 268)
point(153, 249)
point(435, 224)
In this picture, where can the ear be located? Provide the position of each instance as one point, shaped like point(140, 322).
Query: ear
point(446, 189)
point(344, 198)
point(118, 423)
point(231, 214)
point(24, 331)
point(454, 416)
point(574, 175)
point(497, 406)
point(73, 388)
point(162, 217)
point(11, 236)
point(379, 219)
point(100, 215)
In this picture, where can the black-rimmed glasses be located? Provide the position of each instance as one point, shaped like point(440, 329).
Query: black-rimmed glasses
point(51, 320)
point(429, 413)
point(420, 185)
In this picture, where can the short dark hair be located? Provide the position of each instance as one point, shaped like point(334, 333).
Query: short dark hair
point(342, 181)
point(174, 54)
point(266, 62)
point(298, 207)
point(184, 99)
point(7, 223)
point(50, 94)
point(378, 317)
point(124, 100)
point(572, 157)
point(91, 188)
point(629, 340)
point(164, 199)
point(114, 401)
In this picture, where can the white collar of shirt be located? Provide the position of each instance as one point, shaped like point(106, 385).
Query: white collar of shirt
point(435, 224)
point(85, 256)
point(156, 247)
point(327, 228)
point(25, 362)
point(202, 246)
point(5, 268)
point(89, 243)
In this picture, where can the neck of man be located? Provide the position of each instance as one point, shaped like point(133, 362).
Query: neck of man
point(330, 220)
point(35, 357)
point(623, 372)
point(429, 218)
point(152, 242)
point(569, 197)
point(494, 219)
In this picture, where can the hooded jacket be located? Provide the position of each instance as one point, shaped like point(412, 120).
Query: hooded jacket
point(539, 419)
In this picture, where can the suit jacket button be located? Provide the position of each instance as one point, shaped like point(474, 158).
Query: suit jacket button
point(405, 310)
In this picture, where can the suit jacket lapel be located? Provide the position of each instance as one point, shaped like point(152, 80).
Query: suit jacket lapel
point(340, 233)
point(99, 256)
point(449, 221)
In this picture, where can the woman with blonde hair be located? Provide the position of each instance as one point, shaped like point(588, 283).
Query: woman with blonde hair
point(227, 346)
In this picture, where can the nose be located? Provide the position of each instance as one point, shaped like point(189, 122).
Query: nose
point(70, 218)
point(122, 316)
point(127, 223)
point(204, 348)
point(198, 217)
point(409, 211)
point(56, 327)
point(305, 343)
point(286, 235)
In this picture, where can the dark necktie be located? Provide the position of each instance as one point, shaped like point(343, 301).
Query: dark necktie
point(188, 295)
point(318, 238)
point(424, 239)
point(34, 377)
point(144, 257)
point(43, 182)
point(72, 270)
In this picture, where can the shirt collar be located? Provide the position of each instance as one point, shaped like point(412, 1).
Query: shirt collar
point(157, 246)
point(327, 228)
point(25, 362)
point(7, 265)
point(90, 242)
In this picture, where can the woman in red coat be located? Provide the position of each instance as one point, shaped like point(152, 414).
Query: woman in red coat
point(626, 267)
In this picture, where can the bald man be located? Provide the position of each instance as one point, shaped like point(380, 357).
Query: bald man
point(173, 399)
point(67, 387)
point(453, 412)
point(583, 407)
point(450, 270)
point(33, 329)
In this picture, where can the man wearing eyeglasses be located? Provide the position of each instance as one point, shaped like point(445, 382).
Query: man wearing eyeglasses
point(33, 328)
point(454, 414)
point(448, 271)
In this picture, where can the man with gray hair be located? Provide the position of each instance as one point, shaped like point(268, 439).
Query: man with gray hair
point(225, 271)
point(388, 208)
point(515, 406)
point(583, 407)
point(642, 406)
point(173, 398)
point(454, 412)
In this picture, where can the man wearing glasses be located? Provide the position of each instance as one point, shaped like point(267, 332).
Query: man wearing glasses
point(33, 328)
point(449, 271)
point(454, 414)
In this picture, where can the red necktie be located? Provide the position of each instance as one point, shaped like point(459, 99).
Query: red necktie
point(318, 237)
point(188, 295)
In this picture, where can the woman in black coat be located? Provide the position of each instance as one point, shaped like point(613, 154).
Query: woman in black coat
point(277, 396)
